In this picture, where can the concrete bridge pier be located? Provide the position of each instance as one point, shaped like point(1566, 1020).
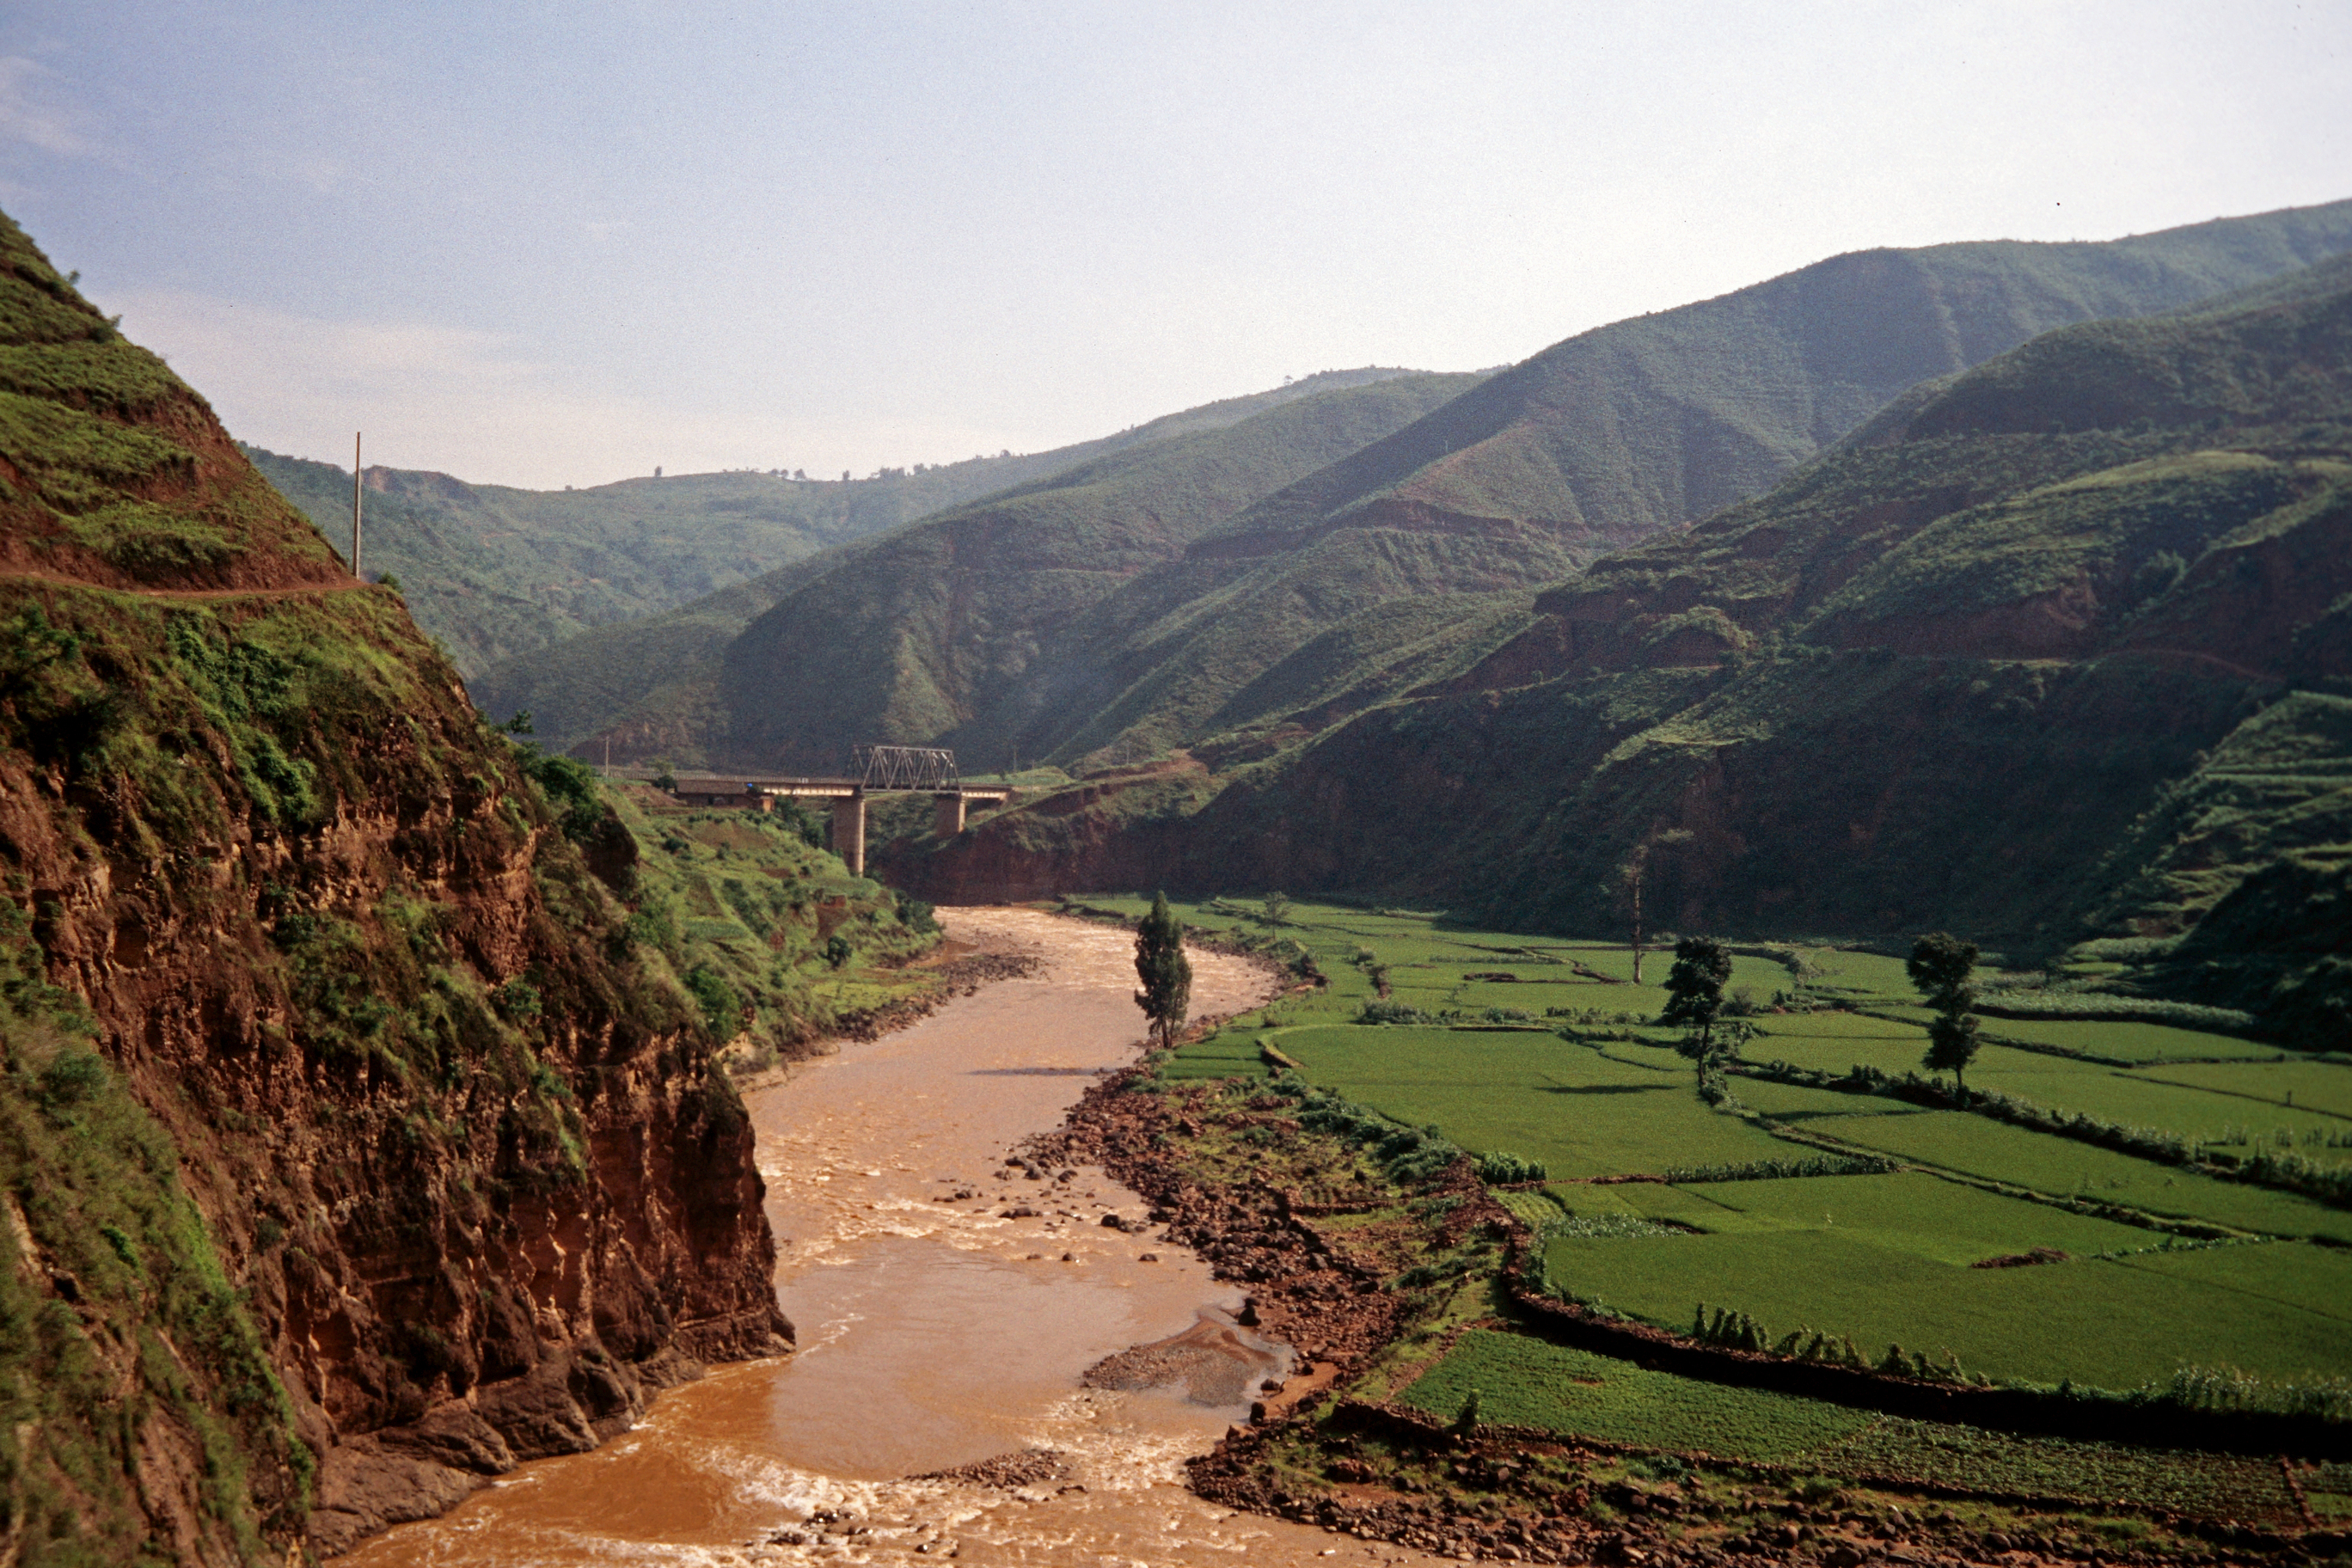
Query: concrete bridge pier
point(850, 831)
point(947, 814)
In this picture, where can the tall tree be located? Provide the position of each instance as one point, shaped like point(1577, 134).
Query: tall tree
point(1166, 973)
point(1940, 965)
point(1624, 884)
point(1695, 994)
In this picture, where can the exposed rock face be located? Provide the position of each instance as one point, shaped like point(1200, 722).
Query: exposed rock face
point(462, 1162)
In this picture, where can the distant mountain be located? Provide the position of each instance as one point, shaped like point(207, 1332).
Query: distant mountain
point(494, 571)
point(2055, 647)
point(1599, 442)
point(892, 634)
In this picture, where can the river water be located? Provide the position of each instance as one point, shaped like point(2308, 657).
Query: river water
point(934, 1330)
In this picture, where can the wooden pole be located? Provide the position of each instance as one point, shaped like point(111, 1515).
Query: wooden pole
point(355, 506)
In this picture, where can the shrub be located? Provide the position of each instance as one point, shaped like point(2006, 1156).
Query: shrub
point(722, 1010)
point(516, 1001)
point(569, 785)
point(1773, 1169)
point(72, 1076)
point(1408, 1155)
point(2220, 1388)
point(1500, 1167)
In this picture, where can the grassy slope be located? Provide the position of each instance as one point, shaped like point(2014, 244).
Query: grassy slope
point(496, 573)
point(1639, 426)
point(743, 903)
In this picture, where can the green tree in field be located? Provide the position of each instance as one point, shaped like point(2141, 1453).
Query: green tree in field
point(1940, 965)
point(1277, 910)
point(1166, 973)
point(1694, 994)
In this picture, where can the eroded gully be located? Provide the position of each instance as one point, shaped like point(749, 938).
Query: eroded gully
point(934, 1333)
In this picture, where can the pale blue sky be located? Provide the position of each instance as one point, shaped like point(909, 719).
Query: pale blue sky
point(561, 243)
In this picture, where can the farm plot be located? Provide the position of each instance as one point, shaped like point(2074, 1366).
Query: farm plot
point(1229, 1053)
point(2127, 1042)
point(1529, 1382)
point(2225, 1486)
point(1800, 1102)
point(2303, 1085)
point(1914, 1212)
point(1893, 1056)
point(1957, 1141)
point(1653, 1201)
point(1580, 1113)
point(1533, 991)
point(1760, 975)
point(2138, 1101)
point(2314, 1278)
point(1863, 974)
point(1836, 1025)
point(2039, 1323)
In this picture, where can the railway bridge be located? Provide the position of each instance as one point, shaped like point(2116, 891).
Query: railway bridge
point(875, 770)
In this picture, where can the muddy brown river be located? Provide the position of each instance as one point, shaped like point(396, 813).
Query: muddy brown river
point(933, 1332)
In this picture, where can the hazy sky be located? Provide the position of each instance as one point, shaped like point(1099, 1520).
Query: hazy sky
point(551, 243)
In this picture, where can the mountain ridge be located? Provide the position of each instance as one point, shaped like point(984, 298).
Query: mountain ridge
point(1597, 442)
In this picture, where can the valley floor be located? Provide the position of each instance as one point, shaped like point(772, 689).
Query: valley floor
point(2101, 1310)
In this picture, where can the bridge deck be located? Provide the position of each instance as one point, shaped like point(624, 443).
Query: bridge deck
point(822, 788)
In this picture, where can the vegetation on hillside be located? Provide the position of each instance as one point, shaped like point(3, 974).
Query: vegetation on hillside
point(778, 944)
point(494, 572)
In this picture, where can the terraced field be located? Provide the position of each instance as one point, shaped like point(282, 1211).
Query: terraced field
point(1530, 1383)
point(2131, 1286)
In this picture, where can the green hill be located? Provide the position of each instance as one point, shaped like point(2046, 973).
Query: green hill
point(890, 638)
point(1518, 482)
point(1646, 423)
point(494, 571)
point(1935, 679)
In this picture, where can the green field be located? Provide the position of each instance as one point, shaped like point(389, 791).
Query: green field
point(1879, 1258)
point(2193, 1098)
point(1955, 1141)
point(2039, 1324)
point(1534, 1094)
point(2303, 1085)
point(2128, 1042)
point(1527, 1381)
point(2139, 1101)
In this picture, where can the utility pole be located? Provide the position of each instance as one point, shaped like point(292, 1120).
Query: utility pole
point(355, 505)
